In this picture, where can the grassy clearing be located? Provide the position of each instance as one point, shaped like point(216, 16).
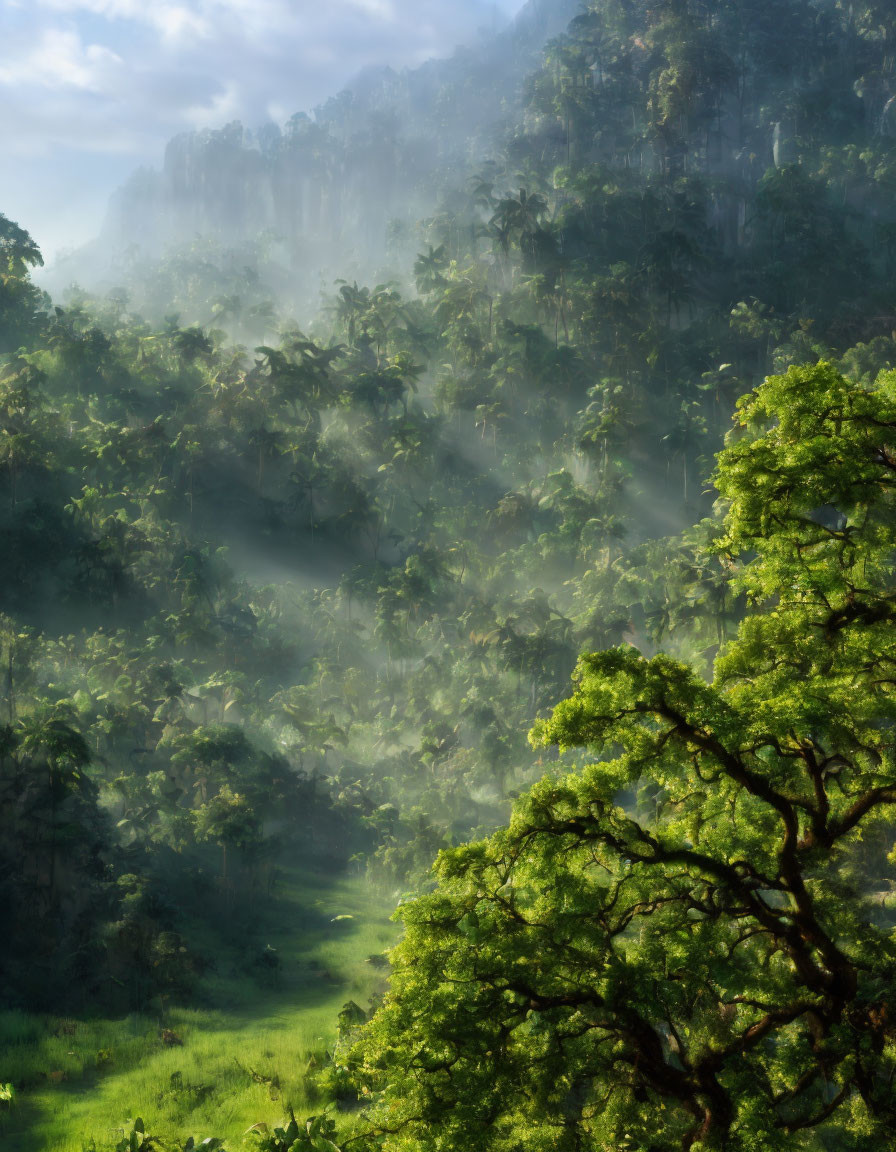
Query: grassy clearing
point(244, 1057)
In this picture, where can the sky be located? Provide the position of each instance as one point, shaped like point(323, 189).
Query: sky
point(91, 89)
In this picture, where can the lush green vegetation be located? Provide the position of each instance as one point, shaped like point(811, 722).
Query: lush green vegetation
point(252, 1040)
point(290, 609)
point(689, 941)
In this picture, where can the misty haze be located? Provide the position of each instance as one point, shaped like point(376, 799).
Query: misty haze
point(447, 521)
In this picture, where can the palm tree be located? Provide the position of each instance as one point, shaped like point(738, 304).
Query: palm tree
point(522, 213)
point(18, 250)
point(687, 436)
point(428, 269)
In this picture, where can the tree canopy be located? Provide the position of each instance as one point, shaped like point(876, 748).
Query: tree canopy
point(688, 942)
point(285, 583)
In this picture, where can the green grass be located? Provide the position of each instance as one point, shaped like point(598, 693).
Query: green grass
point(246, 1056)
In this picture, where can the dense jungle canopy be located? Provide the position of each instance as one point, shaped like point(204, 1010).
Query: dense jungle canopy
point(288, 578)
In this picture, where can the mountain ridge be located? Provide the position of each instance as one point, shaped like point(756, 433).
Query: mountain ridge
point(375, 153)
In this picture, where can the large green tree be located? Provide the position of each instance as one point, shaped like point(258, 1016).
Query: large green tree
point(687, 942)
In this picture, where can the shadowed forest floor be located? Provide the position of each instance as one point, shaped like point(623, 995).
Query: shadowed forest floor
point(253, 1050)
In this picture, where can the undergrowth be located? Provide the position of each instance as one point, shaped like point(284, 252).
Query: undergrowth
point(251, 1052)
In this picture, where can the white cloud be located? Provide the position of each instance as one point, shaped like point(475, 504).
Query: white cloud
point(172, 20)
point(60, 59)
point(382, 9)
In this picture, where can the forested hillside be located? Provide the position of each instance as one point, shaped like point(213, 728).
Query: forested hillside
point(284, 590)
point(337, 191)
